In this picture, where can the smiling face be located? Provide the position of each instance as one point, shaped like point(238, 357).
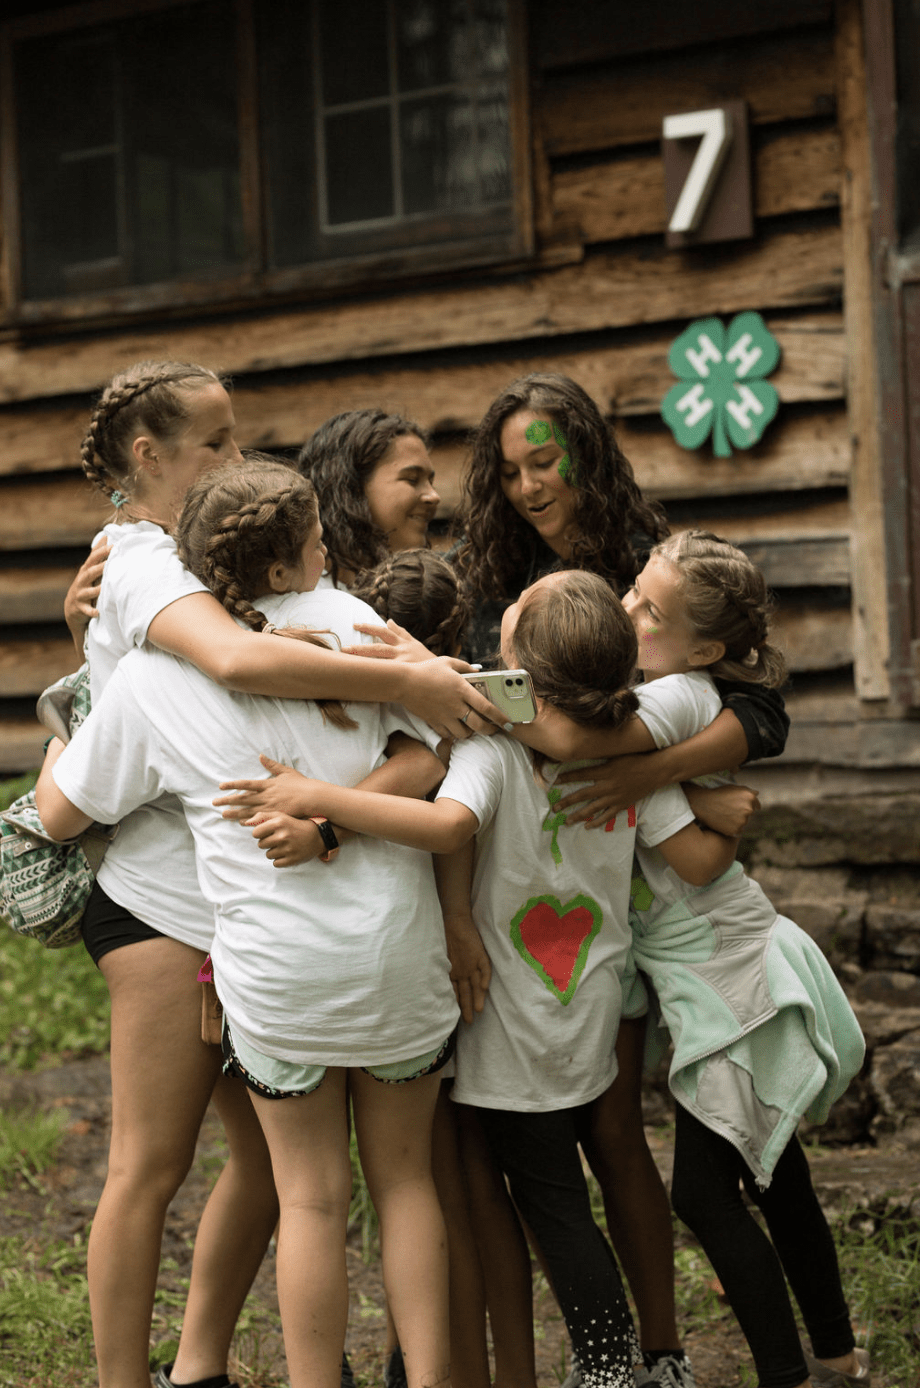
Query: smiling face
point(533, 477)
point(667, 645)
point(400, 493)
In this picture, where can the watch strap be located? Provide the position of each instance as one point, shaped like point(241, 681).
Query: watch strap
point(327, 834)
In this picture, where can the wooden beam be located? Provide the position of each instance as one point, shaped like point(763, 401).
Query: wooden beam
point(784, 78)
point(625, 378)
point(21, 743)
point(870, 597)
point(28, 667)
point(796, 171)
point(34, 594)
point(814, 639)
point(46, 514)
point(781, 270)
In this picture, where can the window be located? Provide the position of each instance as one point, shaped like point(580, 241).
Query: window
point(208, 150)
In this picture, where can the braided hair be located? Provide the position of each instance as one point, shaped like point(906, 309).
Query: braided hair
point(498, 545)
point(726, 599)
point(578, 645)
point(339, 459)
point(418, 589)
point(149, 397)
point(236, 522)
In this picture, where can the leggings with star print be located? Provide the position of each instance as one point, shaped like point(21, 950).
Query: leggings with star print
point(538, 1152)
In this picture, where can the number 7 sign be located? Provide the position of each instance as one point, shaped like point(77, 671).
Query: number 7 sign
point(707, 175)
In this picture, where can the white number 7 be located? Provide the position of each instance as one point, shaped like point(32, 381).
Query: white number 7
point(715, 126)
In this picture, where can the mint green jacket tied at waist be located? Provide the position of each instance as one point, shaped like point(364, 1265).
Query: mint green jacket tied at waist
point(763, 1033)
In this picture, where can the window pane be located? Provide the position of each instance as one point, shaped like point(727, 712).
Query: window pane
point(359, 174)
point(439, 155)
point(494, 157)
point(129, 151)
point(450, 41)
point(353, 43)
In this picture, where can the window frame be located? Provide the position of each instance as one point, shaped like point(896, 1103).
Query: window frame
point(254, 282)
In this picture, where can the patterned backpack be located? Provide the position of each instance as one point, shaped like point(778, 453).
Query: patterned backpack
point(45, 885)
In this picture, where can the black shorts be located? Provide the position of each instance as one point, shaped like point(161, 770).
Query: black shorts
point(107, 926)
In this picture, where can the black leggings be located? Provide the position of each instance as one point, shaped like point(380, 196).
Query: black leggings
point(538, 1152)
point(706, 1195)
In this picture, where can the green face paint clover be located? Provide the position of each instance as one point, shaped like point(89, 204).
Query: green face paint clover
point(539, 432)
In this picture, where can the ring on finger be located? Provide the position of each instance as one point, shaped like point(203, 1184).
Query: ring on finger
point(466, 716)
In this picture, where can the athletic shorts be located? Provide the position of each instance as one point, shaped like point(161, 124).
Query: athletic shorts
point(107, 926)
point(288, 1079)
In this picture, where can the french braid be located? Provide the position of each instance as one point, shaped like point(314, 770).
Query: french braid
point(239, 520)
point(418, 589)
point(149, 397)
point(726, 599)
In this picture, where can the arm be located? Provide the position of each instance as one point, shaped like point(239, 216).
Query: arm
point(470, 966)
point(277, 808)
point(437, 828)
point(698, 855)
point(80, 602)
point(557, 736)
point(621, 782)
point(60, 816)
point(197, 628)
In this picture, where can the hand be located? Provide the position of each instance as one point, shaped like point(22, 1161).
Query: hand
point(470, 966)
point(287, 841)
point(726, 809)
point(436, 692)
point(391, 642)
point(283, 791)
point(80, 602)
point(614, 785)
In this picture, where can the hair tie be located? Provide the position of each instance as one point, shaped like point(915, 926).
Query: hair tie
point(268, 628)
point(118, 500)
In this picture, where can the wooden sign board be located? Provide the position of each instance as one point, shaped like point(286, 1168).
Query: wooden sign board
point(707, 175)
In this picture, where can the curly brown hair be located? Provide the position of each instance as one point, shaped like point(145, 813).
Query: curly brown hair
point(236, 522)
point(497, 545)
point(149, 397)
point(418, 589)
point(339, 459)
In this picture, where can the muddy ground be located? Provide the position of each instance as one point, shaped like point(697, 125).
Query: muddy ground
point(61, 1205)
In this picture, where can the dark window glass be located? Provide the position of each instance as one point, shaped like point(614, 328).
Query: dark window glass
point(129, 152)
point(359, 173)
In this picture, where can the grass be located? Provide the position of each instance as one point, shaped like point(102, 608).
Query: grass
point(45, 1331)
point(29, 1143)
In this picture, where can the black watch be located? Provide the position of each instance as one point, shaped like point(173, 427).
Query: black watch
point(327, 834)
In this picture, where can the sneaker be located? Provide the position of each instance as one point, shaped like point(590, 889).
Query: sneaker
point(836, 1378)
point(671, 1371)
point(348, 1377)
point(394, 1371)
point(163, 1380)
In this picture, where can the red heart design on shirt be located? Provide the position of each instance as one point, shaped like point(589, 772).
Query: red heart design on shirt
point(553, 939)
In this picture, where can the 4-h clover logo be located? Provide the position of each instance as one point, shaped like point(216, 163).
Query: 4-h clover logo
point(720, 385)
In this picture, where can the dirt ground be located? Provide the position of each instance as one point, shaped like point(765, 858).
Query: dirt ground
point(62, 1202)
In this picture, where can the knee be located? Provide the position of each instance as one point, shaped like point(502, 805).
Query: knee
point(150, 1173)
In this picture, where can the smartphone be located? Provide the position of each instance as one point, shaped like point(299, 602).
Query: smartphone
point(509, 690)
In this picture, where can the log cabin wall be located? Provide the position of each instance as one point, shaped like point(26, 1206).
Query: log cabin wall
point(600, 299)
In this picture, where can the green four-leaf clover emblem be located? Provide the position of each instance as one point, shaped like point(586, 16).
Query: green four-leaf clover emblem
point(720, 383)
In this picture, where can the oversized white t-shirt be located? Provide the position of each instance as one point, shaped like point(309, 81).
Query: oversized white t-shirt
point(551, 902)
point(150, 867)
point(335, 964)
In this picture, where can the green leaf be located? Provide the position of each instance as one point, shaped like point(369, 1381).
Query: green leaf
point(751, 348)
point(750, 411)
point(697, 350)
point(689, 413)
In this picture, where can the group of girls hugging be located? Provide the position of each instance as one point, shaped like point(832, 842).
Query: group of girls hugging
point(457, 934)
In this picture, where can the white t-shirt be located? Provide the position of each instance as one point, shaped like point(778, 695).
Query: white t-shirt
point(331, 964)
point(551, 902)
point(150, 867)
point(673, 708)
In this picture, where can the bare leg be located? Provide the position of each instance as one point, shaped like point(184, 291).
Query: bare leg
point(162, 1078)
point(308, 1140)
point(635, 1200)
point(504, 1257)
point(233, 1234)
point(393, 1123)
point(469, 1354)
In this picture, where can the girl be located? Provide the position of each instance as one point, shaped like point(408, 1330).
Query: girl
point(317, 968)
point(156, 427)
point(762, 1031)
point(418, 589)
point(550, 902)
point(375, 485)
